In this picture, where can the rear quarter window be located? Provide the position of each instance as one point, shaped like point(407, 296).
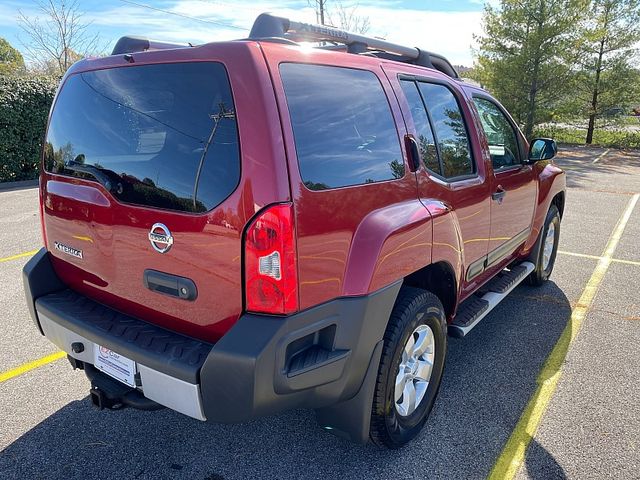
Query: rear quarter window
point(450, 130)
point(342, 125)
point(162, 136)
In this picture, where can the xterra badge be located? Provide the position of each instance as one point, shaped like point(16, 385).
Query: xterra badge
point(74, 252)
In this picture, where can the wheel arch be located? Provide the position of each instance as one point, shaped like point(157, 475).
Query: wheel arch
point(439, 278)
point(558, 201)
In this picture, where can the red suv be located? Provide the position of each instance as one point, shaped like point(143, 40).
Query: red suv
point(240, 228)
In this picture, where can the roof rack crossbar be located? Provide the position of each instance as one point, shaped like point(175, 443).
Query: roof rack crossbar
point(272, 27)
point(133, 44)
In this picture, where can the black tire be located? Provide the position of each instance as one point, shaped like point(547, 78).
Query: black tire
point(414, 307)
point(540, 275)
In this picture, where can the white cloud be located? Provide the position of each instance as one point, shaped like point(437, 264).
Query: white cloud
point(447, 33)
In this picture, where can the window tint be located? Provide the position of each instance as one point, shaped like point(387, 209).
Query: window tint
point(147, 133)
point(426, 142)
point(503, 143)
point(450, 130)
point(342, 124)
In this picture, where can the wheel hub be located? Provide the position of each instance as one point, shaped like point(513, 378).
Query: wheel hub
point(549, 242)
point(414, 371)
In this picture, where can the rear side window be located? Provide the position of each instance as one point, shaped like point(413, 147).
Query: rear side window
point(450, 130)
point(342, 124)
point(426, 141)
point(161, 136)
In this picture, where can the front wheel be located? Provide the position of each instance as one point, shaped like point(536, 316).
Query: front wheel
point(549, 237)
point(411, 366)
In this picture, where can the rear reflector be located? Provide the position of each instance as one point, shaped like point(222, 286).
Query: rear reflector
point(271, 276)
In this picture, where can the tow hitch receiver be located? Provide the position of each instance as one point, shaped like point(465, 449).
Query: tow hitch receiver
point(101, 400)
point(111, 394)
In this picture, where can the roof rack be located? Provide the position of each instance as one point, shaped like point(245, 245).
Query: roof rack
point(132, 44)
point(273, 28)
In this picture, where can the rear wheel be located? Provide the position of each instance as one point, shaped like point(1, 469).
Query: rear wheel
point(411, 367)
point(549, 237)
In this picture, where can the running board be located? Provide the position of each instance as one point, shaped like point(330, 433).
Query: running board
point(476, 308)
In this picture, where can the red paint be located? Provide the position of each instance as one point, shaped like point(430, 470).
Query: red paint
point(349, 241)
point(207, 247)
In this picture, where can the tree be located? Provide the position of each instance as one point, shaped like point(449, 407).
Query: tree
point(61, 38)
point(340, 16)
point(347, 18)
point(11, 61)
point(605, 74)
point(526, 53)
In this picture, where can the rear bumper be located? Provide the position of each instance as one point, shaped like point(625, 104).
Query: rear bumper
point(262, 365)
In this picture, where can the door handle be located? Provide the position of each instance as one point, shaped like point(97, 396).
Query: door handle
point(167, 284)
point(413, 153)
point(499, 194)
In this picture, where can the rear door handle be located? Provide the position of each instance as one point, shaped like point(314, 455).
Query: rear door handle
point(499, 194)
point(167, 284)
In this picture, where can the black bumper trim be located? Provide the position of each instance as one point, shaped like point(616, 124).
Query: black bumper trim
point(245, 375)
point(254, 369)
point(39, 279)
point(168, 352)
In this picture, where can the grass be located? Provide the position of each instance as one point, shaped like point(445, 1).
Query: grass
point(609, 138)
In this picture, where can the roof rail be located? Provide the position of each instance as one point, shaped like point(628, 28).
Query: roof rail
point(273, 28)
point(131, 44)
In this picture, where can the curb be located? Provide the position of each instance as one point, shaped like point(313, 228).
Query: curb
point(23, 184)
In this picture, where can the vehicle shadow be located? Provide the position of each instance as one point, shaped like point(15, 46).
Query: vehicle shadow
point(542, 466)
point(577, 161)
point(489, 378)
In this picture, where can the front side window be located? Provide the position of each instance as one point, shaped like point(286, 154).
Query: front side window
point(342, 125)
point(450, 130)
point(162, 136)
point(503, 143)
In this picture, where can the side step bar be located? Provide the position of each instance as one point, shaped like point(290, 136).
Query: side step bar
point(476, 308)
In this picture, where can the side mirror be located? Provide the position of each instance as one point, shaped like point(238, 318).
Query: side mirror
point(542, 149)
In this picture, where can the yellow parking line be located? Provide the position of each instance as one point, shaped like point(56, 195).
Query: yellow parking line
point(512, 456)
point(20, 255)
point(14, 372)
point(601, 156)
point(626, 262)
point(596, 257)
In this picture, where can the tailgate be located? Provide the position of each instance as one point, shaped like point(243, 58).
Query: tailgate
point(142, 166)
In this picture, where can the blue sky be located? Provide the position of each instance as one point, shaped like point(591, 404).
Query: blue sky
point(443, 26)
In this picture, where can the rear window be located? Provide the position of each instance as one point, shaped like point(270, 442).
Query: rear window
point(342, 125)
point(162, 136)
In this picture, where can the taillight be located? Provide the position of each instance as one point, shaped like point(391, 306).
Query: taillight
point(271, 275)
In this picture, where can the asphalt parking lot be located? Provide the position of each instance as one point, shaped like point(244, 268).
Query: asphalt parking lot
point(579, 418)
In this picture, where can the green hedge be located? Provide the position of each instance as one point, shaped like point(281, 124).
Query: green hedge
point(24, 106)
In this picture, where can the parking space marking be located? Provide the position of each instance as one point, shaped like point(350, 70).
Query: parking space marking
point(513, 453)
point(601, 155)
point(20, 255)
point(596, 257)
point(24, 368)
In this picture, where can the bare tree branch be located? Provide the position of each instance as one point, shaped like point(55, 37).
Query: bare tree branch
point(58, 36)
point(337, 15)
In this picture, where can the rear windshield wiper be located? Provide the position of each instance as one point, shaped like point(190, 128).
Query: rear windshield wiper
point(223, 113)
point(102, 175)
